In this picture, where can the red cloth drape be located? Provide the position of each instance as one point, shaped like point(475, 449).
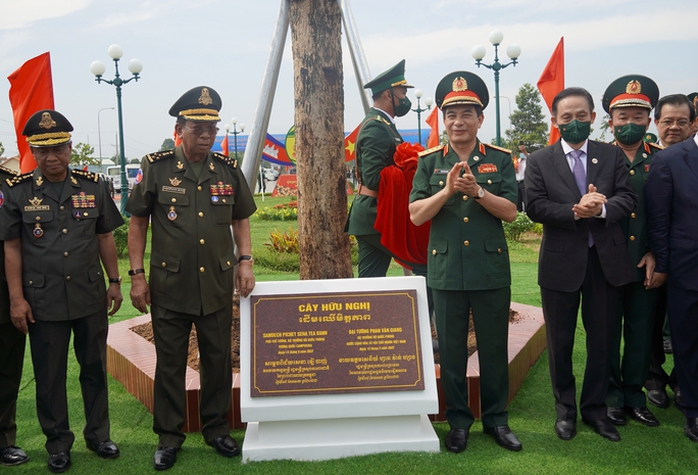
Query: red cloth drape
point(31, 89)
point(406, 241)
point(552, 81)
point(433, 122)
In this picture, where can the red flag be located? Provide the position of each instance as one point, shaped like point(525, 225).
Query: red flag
point(224, 146)
point(552, 81)
point(350, 145)
point(433, 122)
point(31, 89)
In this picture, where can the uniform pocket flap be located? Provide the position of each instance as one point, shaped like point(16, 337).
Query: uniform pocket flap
point(85, 213)
point(439, 248)
point(95, 274)
point(164, 261)
point(173, 199)
point(488, 178)
point(228, 262)
point(31, 217)
point(496, 245)
point(33, 280)
point(437, 180)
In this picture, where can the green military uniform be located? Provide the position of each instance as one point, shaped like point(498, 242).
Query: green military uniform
point(468, 268)
point(636, 314)
point(375, 147)
point(64, 286)
point(12, 343)
point(191, 279)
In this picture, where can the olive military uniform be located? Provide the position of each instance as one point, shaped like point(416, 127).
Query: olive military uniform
point(12, 343)
point(191, 279)
point(64, 285)
point(468, 269)
point(638, 303)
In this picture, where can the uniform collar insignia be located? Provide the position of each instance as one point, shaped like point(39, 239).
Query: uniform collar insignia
point(39, 181)
point(35, 201)
point(210, 166)
point(175, 181)
point(180, 165)
point(73, 180)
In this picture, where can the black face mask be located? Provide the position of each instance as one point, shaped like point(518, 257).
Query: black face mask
point(403, 105)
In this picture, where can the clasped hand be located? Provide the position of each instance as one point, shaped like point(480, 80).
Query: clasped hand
point(590, 205)
point(461, 178)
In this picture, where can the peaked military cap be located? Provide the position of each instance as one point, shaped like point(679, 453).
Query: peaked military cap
point(693, 97)
point(650, 138)
point(393, 77)
point(462, 88)
point(47, 128)
point(633, 90)
point(201, 103)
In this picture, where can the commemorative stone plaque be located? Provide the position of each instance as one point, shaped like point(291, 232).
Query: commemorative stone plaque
point(349, 342)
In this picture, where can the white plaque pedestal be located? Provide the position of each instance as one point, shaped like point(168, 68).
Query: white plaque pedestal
point(328, 426)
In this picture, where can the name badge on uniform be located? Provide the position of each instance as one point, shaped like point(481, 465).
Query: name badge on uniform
point(441, 171)
point(487, 168)
point(174, 189)
point(35, 205)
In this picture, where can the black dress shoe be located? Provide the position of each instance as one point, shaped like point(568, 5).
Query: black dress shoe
point(658, 397)
point(457, 440)
point(691, 429)
point(225, 446)
point(604, 428)
point(616, 415)
point(12, 455)
point(504, 437)
point(566, 429)
point(105, 450)
point(165, 457)
point(642, 415)
point(59, 462)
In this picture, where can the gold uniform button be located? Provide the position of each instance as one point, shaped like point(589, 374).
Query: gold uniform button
point(202, 242)
point(61, 207)
point(466, 243)
point(67, 277)
point(489, 182)
point(433, 252)
point(174, 200)
point(38, 218)
point(201, 214)
point(201, 269)
point(476, 158)
point(465, 220)
point(163, 264)
point(65, 254)
point(644, 155)
point(499, 250)
point(227, 263)
point(633, 215)
point(441, 183)
point(632, 238)
point(64, 231)
point(223, 200)
point(632, 172)
point(85, 214)
point(31, 282)
point(465, 197)
point(198, 187)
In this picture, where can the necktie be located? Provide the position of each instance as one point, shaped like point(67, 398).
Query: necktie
point(581, 179)
point(578, 171)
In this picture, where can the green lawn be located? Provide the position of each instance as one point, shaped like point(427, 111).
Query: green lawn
point(643, 450)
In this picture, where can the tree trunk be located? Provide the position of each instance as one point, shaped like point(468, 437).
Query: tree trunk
point(316, 37)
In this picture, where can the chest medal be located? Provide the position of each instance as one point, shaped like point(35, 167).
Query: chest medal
point(172, 214)
point(38, 232)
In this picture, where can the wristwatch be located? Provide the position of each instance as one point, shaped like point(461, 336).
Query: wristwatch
point(115, 280)
point(480, 193)
point(246, 257)
point(133, 272)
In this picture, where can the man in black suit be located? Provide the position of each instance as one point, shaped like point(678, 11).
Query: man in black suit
point(579, 190)
point(672, 207)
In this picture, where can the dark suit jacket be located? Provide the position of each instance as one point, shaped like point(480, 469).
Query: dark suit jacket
point(550, 194)
point(672, 209)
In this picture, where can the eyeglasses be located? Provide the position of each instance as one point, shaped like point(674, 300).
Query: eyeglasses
point(44, 152)
point(201, 129)
point(681, 123)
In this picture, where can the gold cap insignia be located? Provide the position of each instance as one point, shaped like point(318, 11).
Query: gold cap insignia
point(175, 181)
point(633, 87)
point(35, 201)
point(460, 84)
point(205, 97)
point(47, 121)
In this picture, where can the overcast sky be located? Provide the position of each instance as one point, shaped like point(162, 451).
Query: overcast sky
point(224, 44)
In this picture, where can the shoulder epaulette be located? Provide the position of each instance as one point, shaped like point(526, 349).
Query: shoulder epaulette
point(380, 118)
point(157, 156)
point(654, 145)
point(496, 147)
point(227, 160)
point(9, 171)
point(431, 150)
point(87, 175)
point(16, 180)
